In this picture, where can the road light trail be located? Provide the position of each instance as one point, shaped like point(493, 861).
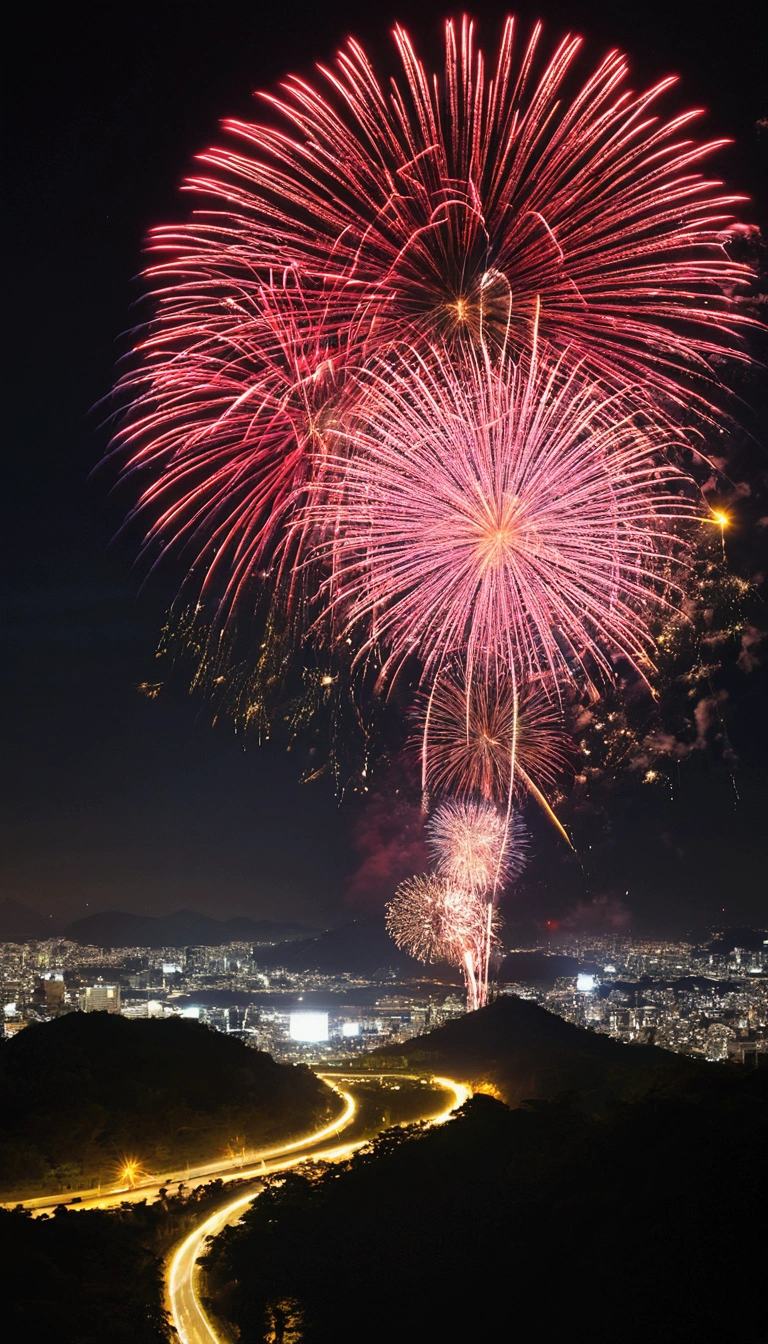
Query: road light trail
point(233, 1169)
point(189, 1318)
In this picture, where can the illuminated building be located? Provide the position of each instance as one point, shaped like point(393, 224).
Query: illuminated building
point(53, 987)
point(100, 998)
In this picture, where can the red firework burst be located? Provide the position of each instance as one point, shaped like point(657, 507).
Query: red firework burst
point(471, 733)
point(451, 204)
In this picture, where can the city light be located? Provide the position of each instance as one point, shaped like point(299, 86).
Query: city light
point(308, 1027)
point(585, 983)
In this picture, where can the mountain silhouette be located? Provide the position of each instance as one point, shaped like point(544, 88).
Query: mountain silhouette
point(362, 947)
point(19, 922)
point(117, 928)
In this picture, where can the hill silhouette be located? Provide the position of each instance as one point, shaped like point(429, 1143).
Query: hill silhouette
point(85, 1090)
point(19, 922)
point(117, 928)
point(362, 947)
point(635, 1224)
point(521, 1052)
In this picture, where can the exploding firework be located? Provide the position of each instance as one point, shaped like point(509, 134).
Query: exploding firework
point(433, 919)
point(447, 205)
point(476, 846)
point(517, 516)
point(471, 735)
point(407, 387)
point(236, 407)
point(478, 205)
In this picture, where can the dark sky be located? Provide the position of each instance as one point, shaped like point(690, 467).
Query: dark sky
point(115, 801)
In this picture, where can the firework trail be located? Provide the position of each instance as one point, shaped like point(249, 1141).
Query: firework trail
point(433, 919)
point(517, 516)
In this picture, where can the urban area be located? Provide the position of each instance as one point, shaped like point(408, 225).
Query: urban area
point(708, 999)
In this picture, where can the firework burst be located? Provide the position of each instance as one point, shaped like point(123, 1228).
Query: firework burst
point(470, 735)
point(516, 516)
point(448, 204)
point(433, 919)
point(476, 846)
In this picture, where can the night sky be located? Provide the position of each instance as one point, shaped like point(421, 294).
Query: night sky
point(116, 801)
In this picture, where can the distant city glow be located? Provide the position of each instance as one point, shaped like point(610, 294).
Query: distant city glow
point(350, 1029)
point(308, 1027)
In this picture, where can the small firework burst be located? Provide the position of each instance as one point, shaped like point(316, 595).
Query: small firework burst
point(471, 733)
point(476, 845)
point(434, 919)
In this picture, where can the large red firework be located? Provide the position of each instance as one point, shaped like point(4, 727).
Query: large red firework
point(445, 206)
point(452, 203)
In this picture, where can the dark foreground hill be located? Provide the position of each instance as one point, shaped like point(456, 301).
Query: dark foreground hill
point(645, 1223)
point(521, 1052)
point(117, 928)
point(84, 1091)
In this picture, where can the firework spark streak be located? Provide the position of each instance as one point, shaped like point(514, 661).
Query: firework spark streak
point(433, 919)
point(515, 515)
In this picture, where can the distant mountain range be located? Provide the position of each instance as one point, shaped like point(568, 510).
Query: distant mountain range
point(116, 928)
point(18, 922)
point(362, 947)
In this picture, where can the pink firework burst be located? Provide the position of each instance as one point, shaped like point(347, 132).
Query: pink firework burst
point(516, 516)
point(476, 846)
point(435, 920)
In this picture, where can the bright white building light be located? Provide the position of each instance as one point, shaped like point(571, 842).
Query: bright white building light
point(350, 1028)
point(585, 983)
point(309, 1027)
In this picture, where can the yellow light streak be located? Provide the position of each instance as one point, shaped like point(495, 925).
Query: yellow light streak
point(189, 1318)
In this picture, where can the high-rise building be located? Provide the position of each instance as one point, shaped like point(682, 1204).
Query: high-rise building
point(100, 998)
point(53, 987)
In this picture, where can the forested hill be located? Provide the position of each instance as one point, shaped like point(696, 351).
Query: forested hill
point(522, 1052)
point(86, 1090)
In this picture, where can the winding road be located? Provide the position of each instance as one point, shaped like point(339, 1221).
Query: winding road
point(189, 1317)
point(235, 1168)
